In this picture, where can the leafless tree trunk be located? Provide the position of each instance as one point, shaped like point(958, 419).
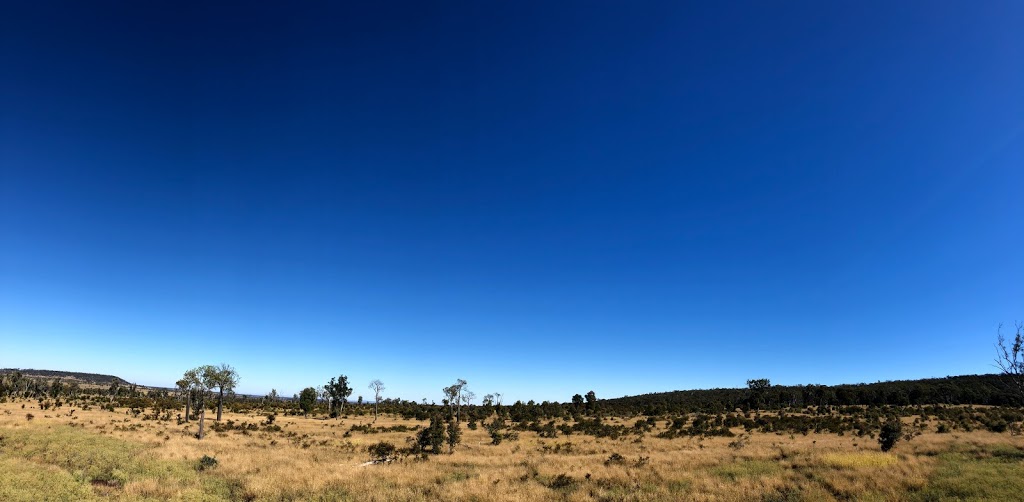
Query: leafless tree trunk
point(376, 386)
point(1010, 358)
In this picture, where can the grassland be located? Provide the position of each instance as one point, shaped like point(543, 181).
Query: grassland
point(95, 454)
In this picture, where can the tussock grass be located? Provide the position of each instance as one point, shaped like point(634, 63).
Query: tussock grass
point(859, 459)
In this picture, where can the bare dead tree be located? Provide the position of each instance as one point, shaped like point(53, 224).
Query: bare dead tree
point(377, 387)
point(1010, 358)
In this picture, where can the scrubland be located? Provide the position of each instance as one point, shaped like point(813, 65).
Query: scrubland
point(93, 454)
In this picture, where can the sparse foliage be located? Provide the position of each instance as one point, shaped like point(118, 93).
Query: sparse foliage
point(1010, 358)
point(377, 387)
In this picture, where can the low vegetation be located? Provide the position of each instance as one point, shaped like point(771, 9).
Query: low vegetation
point(100, 454)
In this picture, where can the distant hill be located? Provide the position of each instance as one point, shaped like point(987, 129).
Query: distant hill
point(85, 378)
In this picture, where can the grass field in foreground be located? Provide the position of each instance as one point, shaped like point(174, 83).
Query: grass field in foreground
point(96, 454)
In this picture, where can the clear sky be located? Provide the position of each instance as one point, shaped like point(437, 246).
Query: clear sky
point(542, 198)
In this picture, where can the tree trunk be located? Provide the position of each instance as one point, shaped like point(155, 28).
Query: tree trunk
point(375, 410)
point(202, 417)
point(220, 403)
point(188, 405)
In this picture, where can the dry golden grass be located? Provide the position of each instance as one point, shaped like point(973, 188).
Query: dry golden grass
point(102, 454)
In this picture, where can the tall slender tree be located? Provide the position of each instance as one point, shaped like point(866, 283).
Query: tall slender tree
point(185, 391)
point(377, 387)
point(453, 394)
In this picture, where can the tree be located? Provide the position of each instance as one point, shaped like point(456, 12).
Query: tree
point(197, 385)
point(453, 395)
point(577, 403)
point(758, 389)
point(322, 395)
point(468, 397)
point(185, 391)
point(377, 387)
point(454, 435)
point(432, 437)
point(307, 400)
point(224, 378)
point(1010, 358)
point(339, 391)
point(591, 402)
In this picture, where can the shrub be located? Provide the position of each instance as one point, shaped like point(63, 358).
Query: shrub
point(29, 416)
point(563, 482)
point(382, 451)
point(432, 437)
point(207, 462)
point(615, 459)
point(891, 432)
point(454, 436)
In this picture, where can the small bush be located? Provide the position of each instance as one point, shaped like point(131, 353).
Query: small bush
point(207, 462)
point(29, 416)
point(615, 459)
point(563, 482)
point(382, 451)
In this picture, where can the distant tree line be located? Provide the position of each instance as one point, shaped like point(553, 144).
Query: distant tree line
point(760, 394)
point(201, 388)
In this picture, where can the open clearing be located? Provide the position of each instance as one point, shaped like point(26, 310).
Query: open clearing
point(95, 454)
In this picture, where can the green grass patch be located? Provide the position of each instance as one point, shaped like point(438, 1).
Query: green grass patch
point(86, 456)
point(960, 476)
point(23, 480)
point(78, 459)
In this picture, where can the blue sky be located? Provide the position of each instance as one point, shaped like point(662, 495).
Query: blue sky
point(540, 198)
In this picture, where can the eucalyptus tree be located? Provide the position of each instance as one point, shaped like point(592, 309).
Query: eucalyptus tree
point(224, 378)
point(197, 385)
point(339, 391)
point(185, 391)
point(377, 387)
point(468, 397)
point(453, 394)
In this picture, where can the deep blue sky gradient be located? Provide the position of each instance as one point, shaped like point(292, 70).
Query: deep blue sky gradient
point(543, 198)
